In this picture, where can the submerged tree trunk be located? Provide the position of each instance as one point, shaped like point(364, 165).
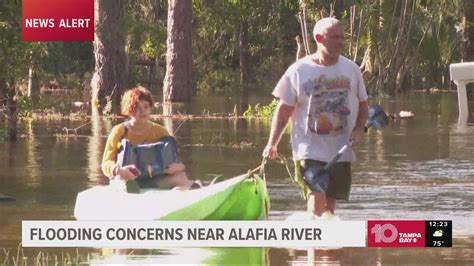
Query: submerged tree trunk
point(110, 58)
point(338, 8)
point(181, 129)
point(244, 66)
point(178, 81)
point(33, 85)
point(390, 81)
point(12, 114)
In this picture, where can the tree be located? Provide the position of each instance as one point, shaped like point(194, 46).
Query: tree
point(407, 44)
point(146, 42)
point(17, 57)
point(241, 47)
point(178, 82)
point(244, 65)
point(110, 58)
point(10, 45)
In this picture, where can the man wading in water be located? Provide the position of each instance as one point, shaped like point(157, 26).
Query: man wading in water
point(325, 97)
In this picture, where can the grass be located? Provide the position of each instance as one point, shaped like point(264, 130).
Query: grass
point(18, 257)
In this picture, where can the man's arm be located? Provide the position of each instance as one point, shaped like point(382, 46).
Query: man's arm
point(359, 128)
point(280, 120)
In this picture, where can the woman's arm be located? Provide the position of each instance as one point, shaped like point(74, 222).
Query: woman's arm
point(109, 158)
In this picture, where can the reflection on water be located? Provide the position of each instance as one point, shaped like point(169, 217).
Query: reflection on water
point(33, 166)
point(461, 255)
point(195, 256)
point(418, 168)
point(95, 147)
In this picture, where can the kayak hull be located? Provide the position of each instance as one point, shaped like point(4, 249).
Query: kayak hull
point(240, 198)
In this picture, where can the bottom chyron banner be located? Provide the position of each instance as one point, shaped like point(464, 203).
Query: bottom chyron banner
point(147, 234)
point(302, 234)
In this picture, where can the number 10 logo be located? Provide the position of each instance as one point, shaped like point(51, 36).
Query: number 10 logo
point(379, 231)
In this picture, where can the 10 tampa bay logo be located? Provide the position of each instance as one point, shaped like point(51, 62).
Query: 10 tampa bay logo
point(396, 233)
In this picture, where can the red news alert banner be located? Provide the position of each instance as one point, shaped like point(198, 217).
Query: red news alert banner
point(57, 20)
point(307, 234)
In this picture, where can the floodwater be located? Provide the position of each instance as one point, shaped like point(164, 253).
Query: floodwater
point(415, 169)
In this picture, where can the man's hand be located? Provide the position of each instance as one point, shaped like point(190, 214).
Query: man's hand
point(359, 129)
point(270, 152)
point(357, 135)
point(280, 119)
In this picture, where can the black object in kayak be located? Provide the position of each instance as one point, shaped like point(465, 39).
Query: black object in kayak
point(151, 159)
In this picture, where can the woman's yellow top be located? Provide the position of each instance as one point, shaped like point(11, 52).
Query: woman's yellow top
point(153, 134)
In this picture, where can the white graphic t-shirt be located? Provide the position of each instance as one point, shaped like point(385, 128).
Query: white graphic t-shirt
point(327, 102)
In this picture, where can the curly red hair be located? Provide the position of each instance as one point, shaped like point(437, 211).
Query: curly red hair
point(132, 97)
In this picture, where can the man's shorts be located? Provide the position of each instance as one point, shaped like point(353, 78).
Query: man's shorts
point(339, 183)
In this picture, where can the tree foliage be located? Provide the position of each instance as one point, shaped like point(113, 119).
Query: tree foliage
point(399, 44)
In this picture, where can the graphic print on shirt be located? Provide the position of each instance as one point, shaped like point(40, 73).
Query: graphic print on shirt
point(327, 109)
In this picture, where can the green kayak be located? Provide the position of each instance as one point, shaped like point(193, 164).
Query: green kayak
point(243, 197)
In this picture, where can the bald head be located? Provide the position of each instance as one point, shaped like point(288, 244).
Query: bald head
point(329, 36)
point(323, 24)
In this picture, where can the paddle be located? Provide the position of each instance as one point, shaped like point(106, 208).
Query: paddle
point(317, 176)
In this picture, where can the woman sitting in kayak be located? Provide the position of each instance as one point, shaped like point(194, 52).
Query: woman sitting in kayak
point(137, 104)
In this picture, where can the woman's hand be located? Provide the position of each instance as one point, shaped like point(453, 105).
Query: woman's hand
point(174, 168)
point(128, 172)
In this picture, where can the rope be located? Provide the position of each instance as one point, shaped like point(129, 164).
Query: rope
point(74, 130)
point(82, 125)
point(177, 128)
point(263, 175)
point(262, 170)
point(284, 161)
point(261, 167)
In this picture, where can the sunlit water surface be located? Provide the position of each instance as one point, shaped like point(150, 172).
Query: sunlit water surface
point(420, 168)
